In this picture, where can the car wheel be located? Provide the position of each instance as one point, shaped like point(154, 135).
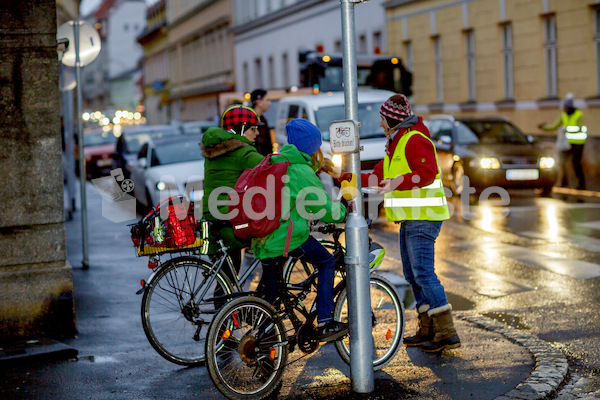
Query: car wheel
point(458, 173)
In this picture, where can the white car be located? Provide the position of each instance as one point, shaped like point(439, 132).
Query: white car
point(324, 108)
point(167, 167)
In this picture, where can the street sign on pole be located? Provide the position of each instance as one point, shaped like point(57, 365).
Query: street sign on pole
point(343, 137)
point(85, 49)
point(357, 235)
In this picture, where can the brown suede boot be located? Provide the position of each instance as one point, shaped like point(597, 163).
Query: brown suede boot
point(424, 331)
point(445, 336)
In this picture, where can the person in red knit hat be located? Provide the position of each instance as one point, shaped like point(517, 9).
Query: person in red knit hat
point(414, 197)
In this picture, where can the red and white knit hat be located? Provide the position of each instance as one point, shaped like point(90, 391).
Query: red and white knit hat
point(395, 109)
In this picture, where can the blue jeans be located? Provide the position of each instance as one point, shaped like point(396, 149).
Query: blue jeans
point(417, 243)
point(313, 252)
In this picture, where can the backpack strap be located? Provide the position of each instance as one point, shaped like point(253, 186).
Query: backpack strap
point(288, 237)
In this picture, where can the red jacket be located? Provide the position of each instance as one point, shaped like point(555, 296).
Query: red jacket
point(420, 154)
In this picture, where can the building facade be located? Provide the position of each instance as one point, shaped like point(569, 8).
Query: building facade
point(155, 64)
point(269, 35)
point(200, 57)
point(113, 79)
point(517, 58)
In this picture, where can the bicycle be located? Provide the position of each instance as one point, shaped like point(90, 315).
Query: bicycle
point(248, 344)
point(178, 298)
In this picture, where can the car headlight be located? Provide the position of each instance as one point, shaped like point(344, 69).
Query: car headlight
point(337, 160)
point(546, 162)
point(489, 163)
point(162, 185)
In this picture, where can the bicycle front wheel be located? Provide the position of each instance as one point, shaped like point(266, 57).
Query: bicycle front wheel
point(174, 318)
point(387, 313)
point(246, 349)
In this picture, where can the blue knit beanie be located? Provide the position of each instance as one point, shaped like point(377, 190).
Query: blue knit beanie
point(304, 135)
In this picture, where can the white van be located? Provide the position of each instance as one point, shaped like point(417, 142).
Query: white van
point(324, 108)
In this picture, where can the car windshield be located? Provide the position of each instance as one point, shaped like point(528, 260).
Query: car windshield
point(494, 132)
point(98, 139)
point(136, 140)
point(176, 152)
point(368, 114)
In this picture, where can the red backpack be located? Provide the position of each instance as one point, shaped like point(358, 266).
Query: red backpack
point(258, 214)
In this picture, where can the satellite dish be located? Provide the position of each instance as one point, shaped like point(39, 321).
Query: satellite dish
point(89, 43)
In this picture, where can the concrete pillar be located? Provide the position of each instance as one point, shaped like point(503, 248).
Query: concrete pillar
point(36, 281)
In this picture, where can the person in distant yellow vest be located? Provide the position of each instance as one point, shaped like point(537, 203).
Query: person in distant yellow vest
point(571, 138)
point(414, 197)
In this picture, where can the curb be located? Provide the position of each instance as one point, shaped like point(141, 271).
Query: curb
point(550, 364)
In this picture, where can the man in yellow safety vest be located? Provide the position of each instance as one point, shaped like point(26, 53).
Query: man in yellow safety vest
point(414, 197)
point(570, 140)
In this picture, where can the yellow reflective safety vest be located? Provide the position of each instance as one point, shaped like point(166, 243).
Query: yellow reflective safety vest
point(425, 204)
point(575, 131)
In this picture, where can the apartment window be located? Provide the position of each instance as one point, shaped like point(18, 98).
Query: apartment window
point(408, 55)
point(437, 61)
point(377, 44)
point(470, 61)
point(246, 78)
point(337, 46)
point(285, 70)
point(507, 61)
point(597, 46)
point(271, 73)
point(550, 56)
point(258, 73)
point(362, 44)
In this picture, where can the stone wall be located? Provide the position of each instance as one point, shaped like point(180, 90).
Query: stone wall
point(36, 282)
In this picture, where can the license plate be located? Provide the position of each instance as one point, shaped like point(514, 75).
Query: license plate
point(105, 162)
point(522, 174)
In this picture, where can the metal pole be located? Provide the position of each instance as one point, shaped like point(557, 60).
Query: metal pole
point(357, 235)
point(82, 173)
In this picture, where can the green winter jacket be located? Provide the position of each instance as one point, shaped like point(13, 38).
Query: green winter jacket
point(304, 181)
point(226, 156)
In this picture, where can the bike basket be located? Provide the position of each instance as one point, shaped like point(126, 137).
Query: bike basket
point(169, 227)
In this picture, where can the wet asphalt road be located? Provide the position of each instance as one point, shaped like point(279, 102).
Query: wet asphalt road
point(534, 264)
point(533, 268)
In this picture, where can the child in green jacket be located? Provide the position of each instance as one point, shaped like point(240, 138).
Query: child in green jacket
point(308, 200)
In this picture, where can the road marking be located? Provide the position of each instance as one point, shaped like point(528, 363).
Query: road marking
point(580, 241)
point(482, 282)
point(563, 266)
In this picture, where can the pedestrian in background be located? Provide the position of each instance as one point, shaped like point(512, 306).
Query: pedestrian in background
point(414, 197)
point(261, 103)
point(571, 137)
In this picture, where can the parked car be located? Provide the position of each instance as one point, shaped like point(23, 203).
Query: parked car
point(167, 167)
point(132, 139)
point(323, 109)
point(196, 127)
point(490, 152)
point(98, 146)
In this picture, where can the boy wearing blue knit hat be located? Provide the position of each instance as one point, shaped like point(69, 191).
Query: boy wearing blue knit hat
point(307, 198)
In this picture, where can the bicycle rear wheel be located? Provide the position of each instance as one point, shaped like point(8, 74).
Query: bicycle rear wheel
point(388, 322)
point(246, 349)
point(175, 320)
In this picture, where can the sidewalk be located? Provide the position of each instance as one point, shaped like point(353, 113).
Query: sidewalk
point(115, 360)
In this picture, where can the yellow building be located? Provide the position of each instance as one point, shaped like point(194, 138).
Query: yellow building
point(517, 58)
point(200, 57)
point(156, 64)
